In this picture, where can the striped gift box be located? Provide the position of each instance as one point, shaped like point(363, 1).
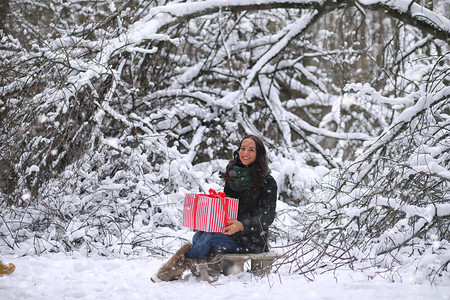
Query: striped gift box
point(209, 213)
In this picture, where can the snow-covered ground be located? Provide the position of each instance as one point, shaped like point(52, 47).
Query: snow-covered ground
point(56, 276)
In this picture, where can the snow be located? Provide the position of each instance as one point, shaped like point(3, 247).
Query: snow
point(56, 276)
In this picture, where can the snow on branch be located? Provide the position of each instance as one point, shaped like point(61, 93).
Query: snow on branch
point(293, 30)
point(423, 103)
point(410, 12)
point(428, 212)
point(287, 117)
point(158, 18)
point(227, 102)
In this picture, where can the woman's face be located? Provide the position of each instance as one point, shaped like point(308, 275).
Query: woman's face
point(247, 152)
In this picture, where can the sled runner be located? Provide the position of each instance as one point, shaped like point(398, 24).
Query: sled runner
point(229, 264)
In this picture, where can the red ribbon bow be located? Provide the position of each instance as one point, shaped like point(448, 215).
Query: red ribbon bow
point(213, 194)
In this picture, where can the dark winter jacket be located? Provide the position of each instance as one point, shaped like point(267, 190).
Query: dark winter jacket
point(256, 213)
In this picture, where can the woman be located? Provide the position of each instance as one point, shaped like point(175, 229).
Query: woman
point(247, 178)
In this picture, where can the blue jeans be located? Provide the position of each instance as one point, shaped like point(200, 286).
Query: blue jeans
point(204, 242)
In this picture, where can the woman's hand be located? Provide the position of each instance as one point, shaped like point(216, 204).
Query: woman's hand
point(233, 227)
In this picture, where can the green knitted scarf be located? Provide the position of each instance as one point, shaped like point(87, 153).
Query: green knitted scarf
point(242, 180)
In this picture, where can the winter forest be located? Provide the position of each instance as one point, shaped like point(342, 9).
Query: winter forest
point(110, 111)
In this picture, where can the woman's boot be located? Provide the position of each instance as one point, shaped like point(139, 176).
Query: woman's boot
point(6, 270)
point(173, 269)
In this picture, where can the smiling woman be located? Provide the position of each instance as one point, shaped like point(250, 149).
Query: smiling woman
point(247, 178)
point(247, 152)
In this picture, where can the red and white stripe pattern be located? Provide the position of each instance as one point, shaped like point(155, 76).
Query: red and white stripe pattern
point(210, 213)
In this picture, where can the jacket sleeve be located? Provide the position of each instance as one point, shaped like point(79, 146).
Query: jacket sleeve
point(263, 214)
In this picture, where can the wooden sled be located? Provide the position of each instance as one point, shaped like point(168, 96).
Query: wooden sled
point(228, 264)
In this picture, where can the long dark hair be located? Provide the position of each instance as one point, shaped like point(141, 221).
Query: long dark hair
point(257, 170)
